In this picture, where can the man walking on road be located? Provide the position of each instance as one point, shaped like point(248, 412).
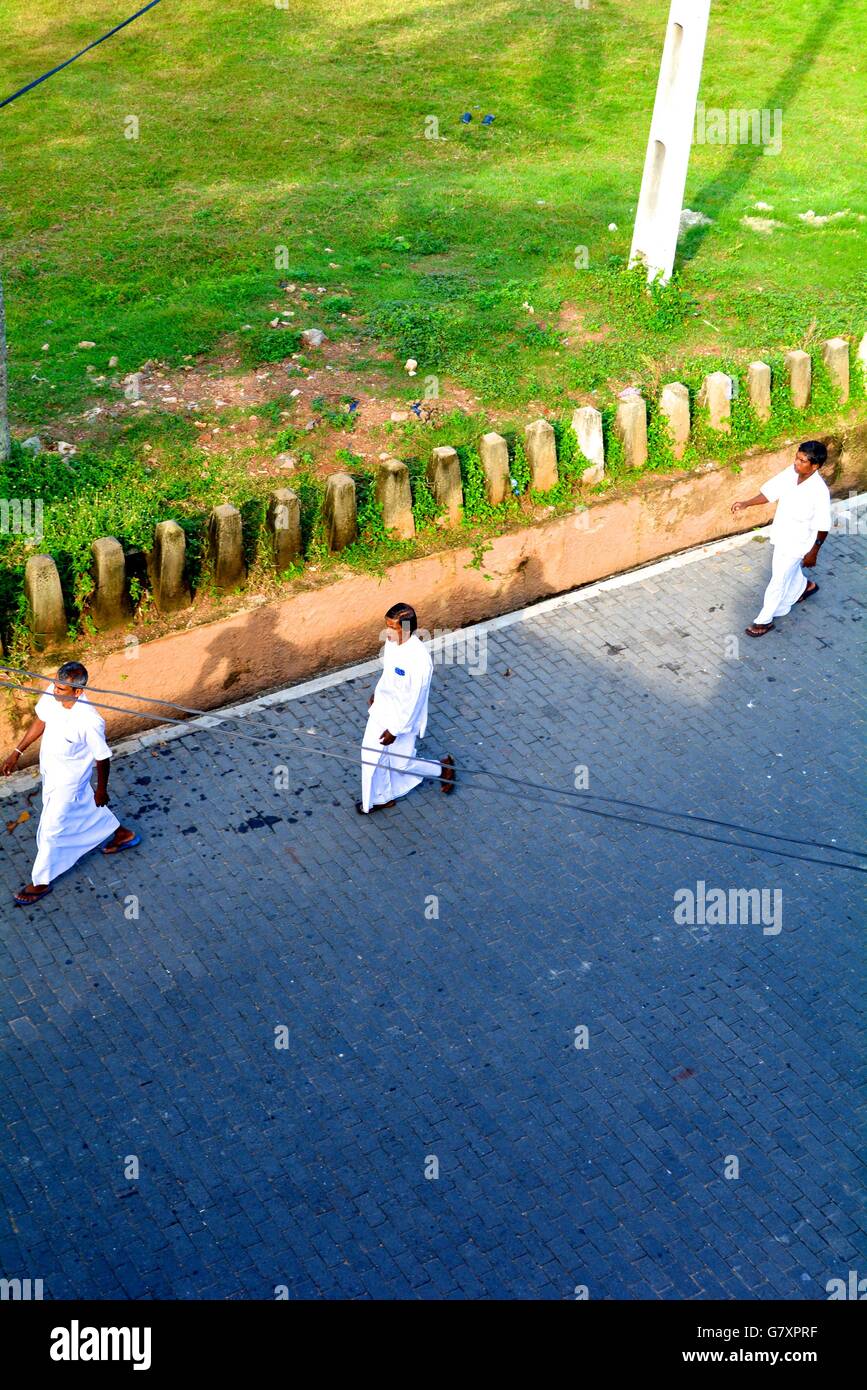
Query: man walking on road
point(799, 530)
point(75, 816)
point(397, 718)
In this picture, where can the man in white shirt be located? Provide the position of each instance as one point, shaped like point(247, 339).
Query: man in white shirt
point(397, 718)
point(799, 530)
point(75, 816)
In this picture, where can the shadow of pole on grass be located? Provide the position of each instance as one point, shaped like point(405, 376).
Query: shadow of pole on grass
point(721, 190)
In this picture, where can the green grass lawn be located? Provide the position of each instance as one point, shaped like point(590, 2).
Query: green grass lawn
point(305, 127)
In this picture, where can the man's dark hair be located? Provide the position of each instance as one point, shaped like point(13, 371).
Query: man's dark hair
point(403, 613)
point(815, 451)
point(74, 674)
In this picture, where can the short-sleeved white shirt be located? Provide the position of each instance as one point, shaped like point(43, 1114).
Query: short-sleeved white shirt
point(802, 510)
point(72, 741)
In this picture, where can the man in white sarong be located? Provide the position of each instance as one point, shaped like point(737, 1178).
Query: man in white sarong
point(799, 530)
point(398, 718)
point(75, 816)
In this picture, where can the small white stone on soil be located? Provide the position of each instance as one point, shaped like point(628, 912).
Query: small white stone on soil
point(690, 219)
point(814, 221)
point(764, 225)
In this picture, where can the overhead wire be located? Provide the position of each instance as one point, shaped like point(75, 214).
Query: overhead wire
point(549, 795)
point(60, 66)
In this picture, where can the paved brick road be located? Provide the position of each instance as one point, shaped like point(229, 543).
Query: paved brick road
point(411, 1037)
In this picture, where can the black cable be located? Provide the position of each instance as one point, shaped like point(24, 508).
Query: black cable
point(60, 66)
point(467, 768)
point(549, 793)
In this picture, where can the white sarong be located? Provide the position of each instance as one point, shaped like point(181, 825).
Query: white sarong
point(803, 510)
point(71, 823)
point(788, 582)
point(400, 705)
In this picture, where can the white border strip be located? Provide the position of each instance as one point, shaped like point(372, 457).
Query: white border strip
point(22, 781)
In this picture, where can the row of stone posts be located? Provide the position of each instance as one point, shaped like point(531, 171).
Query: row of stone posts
point(110, 605)
point(715, 396)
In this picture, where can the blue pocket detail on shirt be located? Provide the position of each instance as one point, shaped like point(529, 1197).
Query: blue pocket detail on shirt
point(399, 672)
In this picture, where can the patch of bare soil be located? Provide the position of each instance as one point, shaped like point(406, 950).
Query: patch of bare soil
point(571, 321)
point(232, 406)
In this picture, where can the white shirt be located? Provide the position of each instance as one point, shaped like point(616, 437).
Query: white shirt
point(401, 696)
point(73, 739)
point(802, 510)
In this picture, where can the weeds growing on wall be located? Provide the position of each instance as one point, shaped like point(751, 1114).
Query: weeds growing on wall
point(424, 507)
point(476, 505)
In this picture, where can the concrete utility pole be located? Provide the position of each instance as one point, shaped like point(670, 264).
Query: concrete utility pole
point(4, 412)
point(657, 221)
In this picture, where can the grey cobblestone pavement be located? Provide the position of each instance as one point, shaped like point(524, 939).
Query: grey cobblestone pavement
point(411, 1037)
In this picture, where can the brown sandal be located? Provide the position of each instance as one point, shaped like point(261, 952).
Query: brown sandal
point(449, 777)
point(759, 629)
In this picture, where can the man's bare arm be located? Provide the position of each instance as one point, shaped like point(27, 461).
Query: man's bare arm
point(100, 794)
point(36, 730)
point(758, 501)
point(812, 554)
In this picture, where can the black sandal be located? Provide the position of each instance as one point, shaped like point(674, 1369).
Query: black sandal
point(808, 592)
point(759, 629)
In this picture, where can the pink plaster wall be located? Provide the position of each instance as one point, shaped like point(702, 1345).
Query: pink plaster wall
point(308, 633)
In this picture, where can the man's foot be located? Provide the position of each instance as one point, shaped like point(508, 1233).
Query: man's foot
point(449, 776)
point(759, 629)
point(121, 839)
point(383, 806)
point(811, 589)
point(32, 893)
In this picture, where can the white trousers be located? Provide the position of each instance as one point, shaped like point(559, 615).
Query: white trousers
point(71, 824)
point(788, 582)
point(384, 776)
